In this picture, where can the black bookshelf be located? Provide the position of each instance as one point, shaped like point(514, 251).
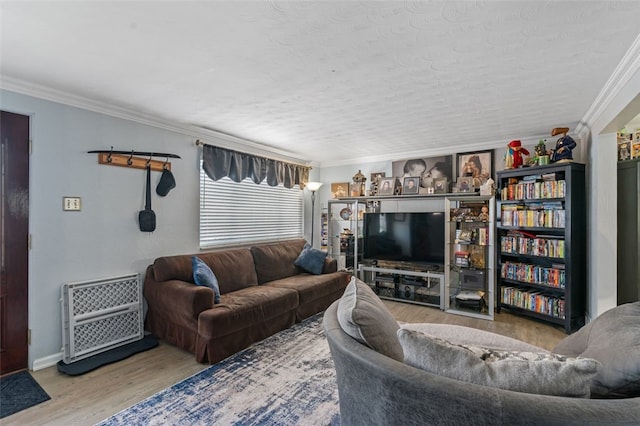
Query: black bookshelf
point(541, 243)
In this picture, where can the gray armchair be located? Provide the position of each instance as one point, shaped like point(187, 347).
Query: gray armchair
point(377, 390)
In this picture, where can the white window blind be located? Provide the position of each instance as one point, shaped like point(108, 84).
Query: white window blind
point(242, 213)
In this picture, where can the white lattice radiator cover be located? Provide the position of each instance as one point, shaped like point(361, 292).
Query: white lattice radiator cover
point(100, 315)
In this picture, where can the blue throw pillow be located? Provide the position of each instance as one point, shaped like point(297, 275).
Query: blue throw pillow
point(204, 276)
point(311, 260)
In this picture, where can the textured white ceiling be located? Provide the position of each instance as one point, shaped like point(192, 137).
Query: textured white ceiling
point(329, 81)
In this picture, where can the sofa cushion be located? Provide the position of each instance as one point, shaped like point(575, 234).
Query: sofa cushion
point(233, 268)
point(247, 308)
point(204, 276)
point(311, 260)
point(312, 287)
point(276, 261)
point(539, 373)
point(178, 267)
point(613, 338)
point(363, 316)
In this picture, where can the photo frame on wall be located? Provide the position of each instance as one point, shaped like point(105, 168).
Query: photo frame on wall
point(410, 185)
point(387, 186)
point(476, 164)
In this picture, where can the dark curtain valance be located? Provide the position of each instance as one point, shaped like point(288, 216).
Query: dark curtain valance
point(220, 162)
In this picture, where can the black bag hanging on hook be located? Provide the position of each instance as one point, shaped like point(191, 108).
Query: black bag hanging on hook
point(147, 217)
point(167, 182)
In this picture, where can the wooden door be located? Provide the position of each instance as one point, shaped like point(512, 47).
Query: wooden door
point(14, 235)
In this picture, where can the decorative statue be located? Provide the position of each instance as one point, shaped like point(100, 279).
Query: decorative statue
point(488, 188)
point(564, 146)
point(513, 157)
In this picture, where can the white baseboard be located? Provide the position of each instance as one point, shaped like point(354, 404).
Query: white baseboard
point(48, 361)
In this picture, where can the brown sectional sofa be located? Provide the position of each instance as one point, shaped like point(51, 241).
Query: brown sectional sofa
point(262, 292)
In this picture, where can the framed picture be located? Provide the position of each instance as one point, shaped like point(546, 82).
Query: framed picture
point(440, 185)
point(387, 186)
point(410, 185)
point(424, 168)
point(465, 184)
point(340, 190)
point(477, 165)
point(375, 177)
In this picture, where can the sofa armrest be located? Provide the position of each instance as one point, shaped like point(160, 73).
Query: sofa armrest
point(176, 298)
point(330, 265)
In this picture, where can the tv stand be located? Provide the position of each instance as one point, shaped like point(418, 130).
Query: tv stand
point(406, 282)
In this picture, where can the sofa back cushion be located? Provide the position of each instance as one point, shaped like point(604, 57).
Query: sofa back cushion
point(276, 261)
point(233, 268)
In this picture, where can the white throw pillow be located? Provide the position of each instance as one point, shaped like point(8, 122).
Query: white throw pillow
point(538, 373)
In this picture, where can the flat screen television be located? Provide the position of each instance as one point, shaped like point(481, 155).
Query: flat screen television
point(405, 237)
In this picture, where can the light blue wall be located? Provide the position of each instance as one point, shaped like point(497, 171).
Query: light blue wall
point(102, 240)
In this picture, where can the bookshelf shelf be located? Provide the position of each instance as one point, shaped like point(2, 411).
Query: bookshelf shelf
point(541, 238)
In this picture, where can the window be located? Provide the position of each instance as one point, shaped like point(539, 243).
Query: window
point(243, 213)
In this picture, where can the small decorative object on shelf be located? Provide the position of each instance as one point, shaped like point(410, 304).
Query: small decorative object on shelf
point(440, 185)
point(387, 186)
point(513, 158)
point(410, 185)
point(564, 146)
point(542, 243)
point(375, 183)
point(542, 155)
point(465, 184)
point(358, 186)
point(488, 188)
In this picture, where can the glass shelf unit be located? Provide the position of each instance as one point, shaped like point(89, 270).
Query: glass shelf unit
point(344, 239)
point(470, 256)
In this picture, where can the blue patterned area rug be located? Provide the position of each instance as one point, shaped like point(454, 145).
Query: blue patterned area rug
point(287, 379)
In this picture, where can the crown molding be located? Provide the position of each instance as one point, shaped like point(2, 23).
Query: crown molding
point(435, 152)
point(624, 72)
point(221, 139)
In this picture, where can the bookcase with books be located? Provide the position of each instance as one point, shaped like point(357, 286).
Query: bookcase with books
point(541, 243)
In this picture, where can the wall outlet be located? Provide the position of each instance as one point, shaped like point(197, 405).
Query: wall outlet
point(71, 204)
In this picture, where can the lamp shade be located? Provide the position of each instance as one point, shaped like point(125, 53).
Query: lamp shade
point(313, 186)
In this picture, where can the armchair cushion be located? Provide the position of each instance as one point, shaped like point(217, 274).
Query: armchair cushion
point(363, 316)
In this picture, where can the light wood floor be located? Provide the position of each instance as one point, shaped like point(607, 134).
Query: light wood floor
point(90, 398)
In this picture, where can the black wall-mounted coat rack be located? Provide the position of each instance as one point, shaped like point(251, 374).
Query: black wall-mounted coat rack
point(129, 159)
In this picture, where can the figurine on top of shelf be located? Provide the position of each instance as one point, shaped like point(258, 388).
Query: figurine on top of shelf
point(513, 157)
point(542, 155)
point(488, 188)
point(564, 146)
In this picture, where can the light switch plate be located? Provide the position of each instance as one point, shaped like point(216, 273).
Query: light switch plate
point(71, 204)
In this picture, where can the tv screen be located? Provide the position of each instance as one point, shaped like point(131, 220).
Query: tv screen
point(406, 237)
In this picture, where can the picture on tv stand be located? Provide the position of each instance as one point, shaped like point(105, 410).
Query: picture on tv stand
point(404, 237)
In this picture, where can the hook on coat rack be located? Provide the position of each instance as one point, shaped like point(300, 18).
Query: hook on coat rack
point(129, 159)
